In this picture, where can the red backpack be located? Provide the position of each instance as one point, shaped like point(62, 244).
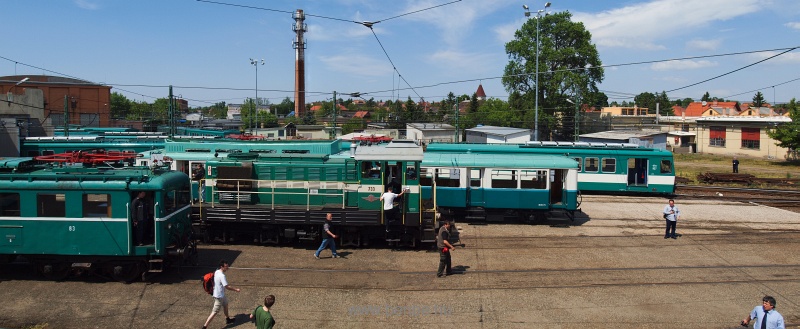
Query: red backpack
point(208, 283)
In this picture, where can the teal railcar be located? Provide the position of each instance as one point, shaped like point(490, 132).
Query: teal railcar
point(76, 218)
point(493, 187)
point(603, 168)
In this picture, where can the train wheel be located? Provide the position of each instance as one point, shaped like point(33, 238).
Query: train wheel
point(125, 272)
point(54, 271)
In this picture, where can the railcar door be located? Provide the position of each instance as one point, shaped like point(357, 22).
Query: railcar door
point(475, 188)
point(637, 172)
point(557, 182)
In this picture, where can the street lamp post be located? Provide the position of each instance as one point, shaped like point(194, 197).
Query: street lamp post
point(577, 117)
point(536, 111)
point(255, 103)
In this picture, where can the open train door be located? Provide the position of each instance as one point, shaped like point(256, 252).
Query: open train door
point(637, 172)
point(557, 185)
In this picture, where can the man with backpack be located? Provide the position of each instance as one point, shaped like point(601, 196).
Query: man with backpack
point(220, 301)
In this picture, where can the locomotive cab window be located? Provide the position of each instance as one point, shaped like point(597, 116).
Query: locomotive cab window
point(9, 204)
point(96, 205)
point(370, 169)
point(51, 205)
point(504, 178)
point(591, 164)
point(666, 166)
point(609, 165)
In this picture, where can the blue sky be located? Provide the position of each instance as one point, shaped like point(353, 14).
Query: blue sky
point(186, 43)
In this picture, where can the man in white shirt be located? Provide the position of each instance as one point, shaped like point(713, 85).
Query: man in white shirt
point(671, 214)
point(389, 211)
point(220, 301)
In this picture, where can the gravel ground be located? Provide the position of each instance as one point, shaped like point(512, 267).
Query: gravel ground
point(611, 267)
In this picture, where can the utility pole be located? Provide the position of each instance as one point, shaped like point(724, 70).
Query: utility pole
point(333, 131)
point(66, 116)
point(457, 110)
point(171, 114)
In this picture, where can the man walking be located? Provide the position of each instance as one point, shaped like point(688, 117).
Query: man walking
point(768, 317)
point(671, 214)
point(443, 243)
point(327, 237)
point(220, 301)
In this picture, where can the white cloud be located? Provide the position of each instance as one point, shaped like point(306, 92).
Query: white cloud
point(643, 25)
point(787, 58)
point(670, 79)
point(505, 32)
point(356, 64)
point(460, 60)
point(86, 4)
point(794, 25)
point(455, 21)
point(684, 64)
point(698, 44)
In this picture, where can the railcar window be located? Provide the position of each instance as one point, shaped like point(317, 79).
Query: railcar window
point(591, 164)
point(96, 205)
point(51, 205)
point(176, 199)
point(426, 176)
point(666, 166)
point(411, 170)
point(475, 177)
point(610, 165)
point(504, 178)
point(580, 163)
point(533, 179)
point(446, 177)
point(9, 204)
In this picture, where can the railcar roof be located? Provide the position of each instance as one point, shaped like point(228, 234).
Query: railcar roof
point(397, 150)
point(520, 160)
point(574, 148)
point(85, 176)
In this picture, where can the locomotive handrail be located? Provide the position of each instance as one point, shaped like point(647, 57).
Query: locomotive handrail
point(272, 186)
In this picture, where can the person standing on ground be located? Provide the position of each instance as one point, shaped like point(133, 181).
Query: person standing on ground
point(443, 243)
point(262, 316)
point(735, 165)
point(220, 301)
point(768, 317)
point(389, 211)
point(327, 237)
point(671, 214)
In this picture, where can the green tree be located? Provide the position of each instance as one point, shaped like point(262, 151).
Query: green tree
point(597, 99)
point(284, 107)
point(120, 105)
point(706, 97)
point(758, 100)
point(496, 112)
point(473, 103)
point(218, 110)
point(565, 49)
point(788, 134)
point(646, 100)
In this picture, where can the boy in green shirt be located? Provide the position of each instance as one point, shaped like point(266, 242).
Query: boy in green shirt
point(262, 316)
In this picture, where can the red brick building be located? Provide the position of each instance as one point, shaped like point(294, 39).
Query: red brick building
point(89, 103)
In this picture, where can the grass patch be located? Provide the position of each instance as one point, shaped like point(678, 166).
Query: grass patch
point(690, 165)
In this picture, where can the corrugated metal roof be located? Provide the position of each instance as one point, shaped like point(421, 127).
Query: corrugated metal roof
point(501, 131)
point(623, 134)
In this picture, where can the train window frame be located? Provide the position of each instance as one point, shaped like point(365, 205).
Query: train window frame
point(370, 169)
point(579, 160)
point(608, 165)
point(666, 163)
point(426, 176)
point(595, 164)
point(90, 208)
point(503, 178)
point(534, 179)
point(49, 207)
point(475, 180)
point(448, 177)
point(7, 205)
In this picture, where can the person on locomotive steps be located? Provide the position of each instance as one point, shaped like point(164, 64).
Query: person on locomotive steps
point(220, 301)
point(389, 211)
point(141, 217)
point(671, 215)
point(328, 238)
point(443, 243)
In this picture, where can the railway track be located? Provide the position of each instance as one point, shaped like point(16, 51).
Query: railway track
point(778, 198)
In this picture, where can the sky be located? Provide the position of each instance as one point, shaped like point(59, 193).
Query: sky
point(203, 49)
